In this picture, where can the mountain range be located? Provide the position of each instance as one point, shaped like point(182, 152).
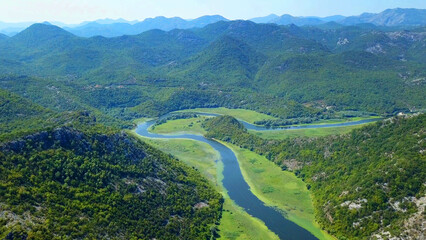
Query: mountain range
point(118, 27)
point(389, 18)
point(69, 169)
point(237, 64)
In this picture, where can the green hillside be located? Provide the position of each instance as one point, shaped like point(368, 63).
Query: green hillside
point(367, 182)
point(285, 71)
point(87, 181)
point(20, 115)
point(68, 170)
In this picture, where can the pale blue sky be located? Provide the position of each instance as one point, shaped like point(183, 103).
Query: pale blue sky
point(74, 11)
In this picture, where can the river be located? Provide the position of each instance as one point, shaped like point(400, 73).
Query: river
point(238, 189)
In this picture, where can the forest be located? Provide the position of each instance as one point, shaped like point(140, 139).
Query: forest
point(284, 71)
point(366, 181)
point(70, 170)
point(83, 180)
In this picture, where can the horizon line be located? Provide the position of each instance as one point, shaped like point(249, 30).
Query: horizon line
point(190, 19)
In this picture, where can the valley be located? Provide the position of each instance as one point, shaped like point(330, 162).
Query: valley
point(278, 127)
point(264, 178)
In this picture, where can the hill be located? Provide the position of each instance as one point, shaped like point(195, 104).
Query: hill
point(86, 181)
point(364, 184)
point(41, 33)
point(225, 59)
point(286, 71)
point(20, 115)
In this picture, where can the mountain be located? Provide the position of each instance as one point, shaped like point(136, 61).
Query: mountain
point(225, 58)
point(105, 30)
point(83, 180)
point(20, 115)
point(70, 171)
point(266, 19)
point(110, 28)
point(204, 21)
point(334, 18)
point(119, 27)
point(41, 34)
point(161, 23)
point(300, 21)
point(390, 17)
point(238, 64)
point(69, 176)
point(287, 19)
point(15, 107)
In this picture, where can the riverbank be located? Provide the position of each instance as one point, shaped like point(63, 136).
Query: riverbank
point(237, 188)
point(267, 182)
point(235, 222)
point(193, 126)
point(279, 189)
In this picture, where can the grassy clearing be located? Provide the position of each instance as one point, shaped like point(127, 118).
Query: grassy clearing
point(311, 132)
point(190, 125)
point(334, 121)
point(278, 188)
point(235, 222)
point(242, 114)
point(193, 125)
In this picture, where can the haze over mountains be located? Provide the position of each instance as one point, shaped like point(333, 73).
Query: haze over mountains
point(113, 28)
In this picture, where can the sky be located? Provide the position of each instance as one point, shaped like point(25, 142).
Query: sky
point(76, 11)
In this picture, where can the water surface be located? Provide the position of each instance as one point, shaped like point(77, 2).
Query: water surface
point(238, 189)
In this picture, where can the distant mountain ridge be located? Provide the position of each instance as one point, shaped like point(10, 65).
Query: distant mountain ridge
point(285, 63)
point(389, 17)
point(119, 27)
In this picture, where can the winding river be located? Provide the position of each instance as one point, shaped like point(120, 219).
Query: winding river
point(238, 189)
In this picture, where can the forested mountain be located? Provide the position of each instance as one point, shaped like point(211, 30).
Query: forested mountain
point(19, 114)
point(67, 171)
point(310, 70)
point(82, 180)
point(365, 184)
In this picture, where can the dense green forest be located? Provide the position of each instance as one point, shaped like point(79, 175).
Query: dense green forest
point(67, 171)
point(65, 176)
point(285, 71)
point(363, 183)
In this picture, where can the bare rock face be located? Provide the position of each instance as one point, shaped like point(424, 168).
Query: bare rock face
point(201, 205)
point(415, 225)
point(293, 164)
